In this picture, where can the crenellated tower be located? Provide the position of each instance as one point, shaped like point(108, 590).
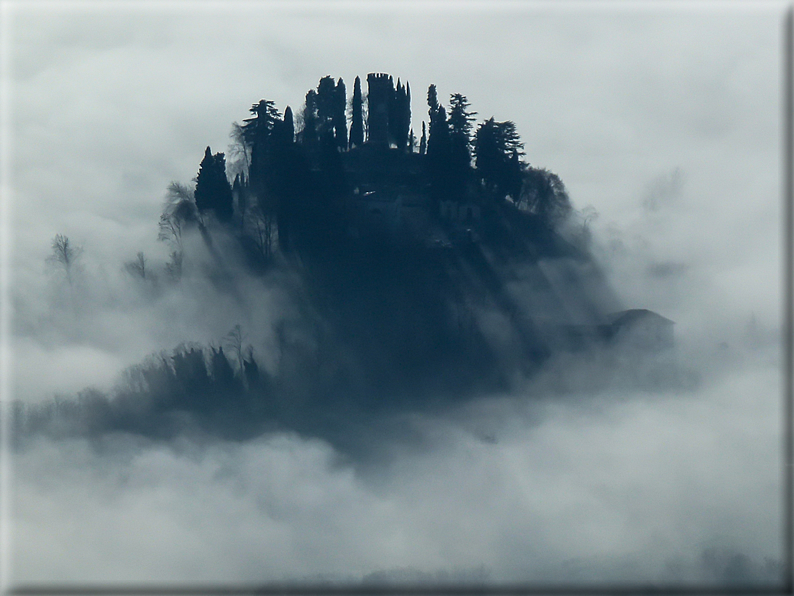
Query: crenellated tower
point(380, 94)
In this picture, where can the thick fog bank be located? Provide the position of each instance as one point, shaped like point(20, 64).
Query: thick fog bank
point(592, 466)
point(618, 487)
point(602, 465)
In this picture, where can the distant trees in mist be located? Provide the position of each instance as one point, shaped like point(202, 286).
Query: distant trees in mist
point(293, 181)
point(387, 316)
point(138, 267)
point(151, 398)
point(65, 256)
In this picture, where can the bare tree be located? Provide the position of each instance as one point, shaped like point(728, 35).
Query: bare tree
point(174, 267)
point(66, 256)
point(234, 342)
point(262, 228)
point(239, 150)
point(179, 212)
point(171, 230)
point(137, 267)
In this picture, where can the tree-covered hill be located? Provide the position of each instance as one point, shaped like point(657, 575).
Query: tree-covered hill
point(427, 271)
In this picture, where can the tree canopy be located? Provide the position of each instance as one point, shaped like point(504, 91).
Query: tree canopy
point(300, 180)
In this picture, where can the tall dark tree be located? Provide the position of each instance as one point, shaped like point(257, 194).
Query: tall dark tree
point(460, 119)
point(239, 197)
point(488, 155)
point(257, 128)
point(357, 116)
point(399, 116)
point(438, 153)
point(308, 136)
point(438, 135)
point(432, 100)
point(497, 148)
point(405, 116)
point(213, 191)
point(423, 141)
point(326, 106)
point(340, 117)
point(257, 132)
point(289, 126)
point(224, 206)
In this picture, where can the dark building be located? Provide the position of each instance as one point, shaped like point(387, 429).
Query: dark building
point(380, 94)
point(642, 329)
point(637, 329)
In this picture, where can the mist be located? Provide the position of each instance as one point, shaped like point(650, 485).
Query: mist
point(599, 466)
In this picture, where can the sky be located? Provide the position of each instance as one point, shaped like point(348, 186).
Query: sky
point(664, 122)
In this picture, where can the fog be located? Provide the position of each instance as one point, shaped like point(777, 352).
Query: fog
point(664, 127)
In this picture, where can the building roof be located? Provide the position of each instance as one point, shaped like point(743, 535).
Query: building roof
point(635, 314)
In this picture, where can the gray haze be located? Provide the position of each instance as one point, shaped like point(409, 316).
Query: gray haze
point(664, 123)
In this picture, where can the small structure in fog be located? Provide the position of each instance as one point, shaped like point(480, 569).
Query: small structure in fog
point(642, 329)
point(638, 329)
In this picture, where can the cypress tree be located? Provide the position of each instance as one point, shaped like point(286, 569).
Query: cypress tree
point(423, 141)
point(357, 116)
point(340, 118)
point(212, 187)
point(438, 152)
point(203, 194)
point(289, 125)
point(224, 204)
point(432, 101)
point(399, 116)
point(308, 136)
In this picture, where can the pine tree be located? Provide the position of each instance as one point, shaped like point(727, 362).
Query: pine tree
point(257, 128)
point(460, 119)
point(258, 133)
point(357, 116)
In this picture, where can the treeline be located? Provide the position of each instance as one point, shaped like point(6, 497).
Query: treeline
point(291, 190)
point(193, 386)
point(317, 383)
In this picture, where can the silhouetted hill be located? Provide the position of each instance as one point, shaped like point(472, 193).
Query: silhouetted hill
point(424, 277)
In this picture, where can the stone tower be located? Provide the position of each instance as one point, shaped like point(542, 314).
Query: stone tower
point(380, 91)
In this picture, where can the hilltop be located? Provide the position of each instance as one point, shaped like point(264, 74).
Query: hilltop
point(422, 272)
